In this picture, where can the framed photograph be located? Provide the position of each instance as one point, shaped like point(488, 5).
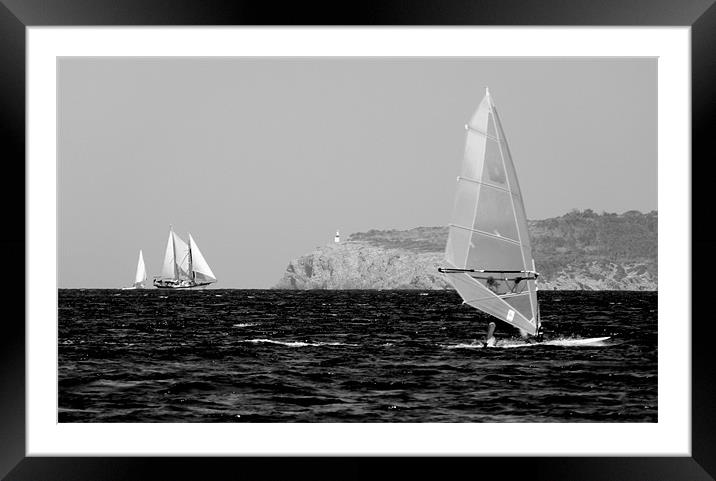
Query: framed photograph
point(424, 234)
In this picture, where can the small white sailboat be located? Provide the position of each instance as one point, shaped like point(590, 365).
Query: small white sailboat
point(184, 265)
point(141, 276)
point(488, 253)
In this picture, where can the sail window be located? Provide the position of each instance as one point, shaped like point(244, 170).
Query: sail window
point(493, 170)
point(501, 283)
point(492, 125)
point(489, 253)
point(495, 214)
point(521, 304)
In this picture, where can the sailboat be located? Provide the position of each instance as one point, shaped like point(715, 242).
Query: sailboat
point(184, 265)
point(488, 253)
point(141, 276)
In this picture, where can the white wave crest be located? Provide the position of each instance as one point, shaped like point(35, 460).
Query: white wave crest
point(465, 346)
point(296, 343)
point(562, 341)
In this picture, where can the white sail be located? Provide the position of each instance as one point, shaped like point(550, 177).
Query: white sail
point(181, 257)
point(141, 274)
point(202, 271)
point(168, 266)
point(488, 251)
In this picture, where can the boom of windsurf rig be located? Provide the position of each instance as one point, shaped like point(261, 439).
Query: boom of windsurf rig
point(453, 270)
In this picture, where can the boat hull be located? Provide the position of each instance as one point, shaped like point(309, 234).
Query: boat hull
point(179, 285)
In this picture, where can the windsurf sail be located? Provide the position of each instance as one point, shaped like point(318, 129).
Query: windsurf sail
point(488, 253)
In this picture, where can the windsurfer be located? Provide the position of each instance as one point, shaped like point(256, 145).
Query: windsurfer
point(490, 340)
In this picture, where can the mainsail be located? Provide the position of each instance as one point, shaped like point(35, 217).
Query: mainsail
point(141, 274)
point(488, 251)
point(181, 257)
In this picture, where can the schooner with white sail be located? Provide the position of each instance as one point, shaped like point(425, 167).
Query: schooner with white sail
point(488, 253)
point(184, 265)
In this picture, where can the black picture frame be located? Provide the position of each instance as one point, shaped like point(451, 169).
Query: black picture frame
point(16, 15)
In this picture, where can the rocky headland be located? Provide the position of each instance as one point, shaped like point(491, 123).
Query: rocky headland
point(579, 250)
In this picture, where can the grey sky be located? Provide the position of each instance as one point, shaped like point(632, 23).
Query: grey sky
point(263, 159)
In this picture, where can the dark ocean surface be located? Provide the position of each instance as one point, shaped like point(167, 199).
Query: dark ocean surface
point(350, 356)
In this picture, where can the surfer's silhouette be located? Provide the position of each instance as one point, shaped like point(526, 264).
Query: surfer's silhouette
point(490, 340)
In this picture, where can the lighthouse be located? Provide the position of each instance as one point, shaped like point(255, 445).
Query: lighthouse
point(337, 238)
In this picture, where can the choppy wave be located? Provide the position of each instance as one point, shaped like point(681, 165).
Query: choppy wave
point(350, 356)
point(296, 343)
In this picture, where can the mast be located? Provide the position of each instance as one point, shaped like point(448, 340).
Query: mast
point(191, 266)
point(174, 252)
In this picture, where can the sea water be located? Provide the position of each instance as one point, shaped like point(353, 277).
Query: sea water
point(350, 356)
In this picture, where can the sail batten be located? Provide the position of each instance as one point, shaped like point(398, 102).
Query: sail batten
point(482, 232)
point(504, 296)
point(488, 232)
point(486, 184)
point(478, 131)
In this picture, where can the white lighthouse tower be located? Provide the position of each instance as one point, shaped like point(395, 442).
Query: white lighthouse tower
point(337, 238)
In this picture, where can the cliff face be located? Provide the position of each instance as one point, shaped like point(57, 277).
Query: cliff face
point(357, 265)
point(580, 250)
